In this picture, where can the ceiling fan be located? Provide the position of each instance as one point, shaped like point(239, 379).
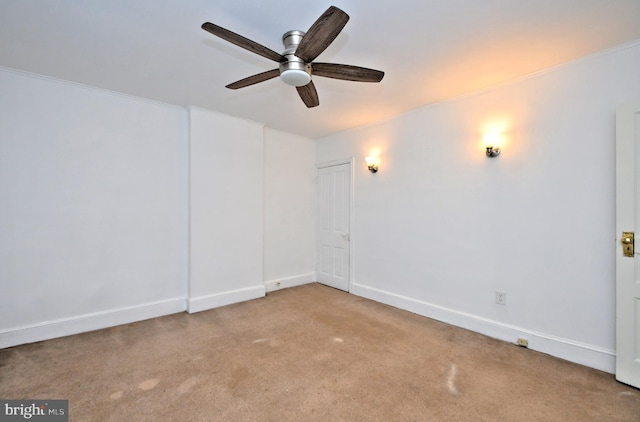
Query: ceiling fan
point(297, 61)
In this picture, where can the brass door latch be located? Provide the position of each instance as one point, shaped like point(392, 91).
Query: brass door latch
point(627, 244)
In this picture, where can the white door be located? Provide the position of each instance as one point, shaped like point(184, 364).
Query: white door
point(334, 205)
point(627, 267)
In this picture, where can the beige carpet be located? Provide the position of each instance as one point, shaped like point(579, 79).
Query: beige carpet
point(309, 353)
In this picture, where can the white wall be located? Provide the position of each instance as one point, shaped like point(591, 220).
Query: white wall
point(289, 201)
point(93, 190)
point(115, 209)
point(441, 227)
point(225, 210)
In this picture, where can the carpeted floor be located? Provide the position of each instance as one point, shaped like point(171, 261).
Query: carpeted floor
point(309, 353)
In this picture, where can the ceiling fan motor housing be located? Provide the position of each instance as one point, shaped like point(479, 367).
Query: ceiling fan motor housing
point(294, 71)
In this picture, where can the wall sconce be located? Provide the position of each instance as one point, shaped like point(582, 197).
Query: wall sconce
point(491, 144)
point(372, 164)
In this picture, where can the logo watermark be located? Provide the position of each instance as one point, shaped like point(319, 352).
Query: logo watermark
point(34, 410)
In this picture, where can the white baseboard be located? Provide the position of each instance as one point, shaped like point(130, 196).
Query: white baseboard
point(203, 303)
point(284, 283)
point(89, 322)
point(573, 351)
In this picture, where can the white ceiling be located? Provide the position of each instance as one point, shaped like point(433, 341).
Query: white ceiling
point(430, 50)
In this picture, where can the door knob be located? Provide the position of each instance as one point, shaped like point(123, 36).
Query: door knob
point(627, 244)
point(345, 236)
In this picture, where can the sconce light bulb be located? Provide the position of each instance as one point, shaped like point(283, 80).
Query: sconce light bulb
point(372, 164)
point(490, 139)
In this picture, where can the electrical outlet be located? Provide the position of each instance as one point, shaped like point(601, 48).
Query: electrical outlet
point(501, 298)
point(523, 342)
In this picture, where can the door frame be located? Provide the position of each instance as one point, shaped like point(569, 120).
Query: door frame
point(332, 163)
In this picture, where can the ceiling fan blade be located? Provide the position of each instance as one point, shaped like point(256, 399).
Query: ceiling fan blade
point(309, 94)
point(321, 34)
point(243, 42)
point(251, 80)
point(346, 72)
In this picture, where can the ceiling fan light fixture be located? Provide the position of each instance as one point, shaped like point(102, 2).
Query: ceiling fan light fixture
point(295, 77)
point(294, 71)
